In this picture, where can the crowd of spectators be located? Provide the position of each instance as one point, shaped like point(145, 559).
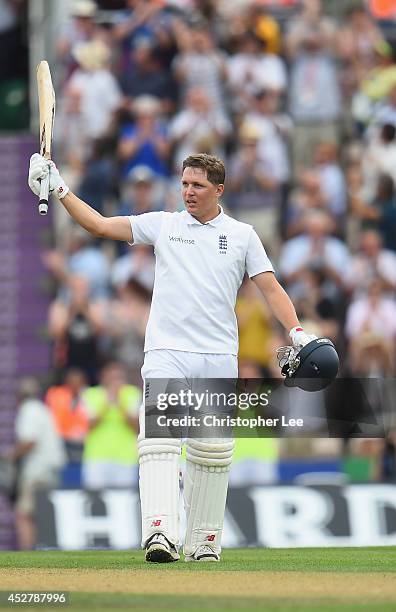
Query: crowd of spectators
point(299, 98)
point(300, 102)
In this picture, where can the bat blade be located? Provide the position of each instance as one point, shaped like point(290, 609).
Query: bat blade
point(46, 97)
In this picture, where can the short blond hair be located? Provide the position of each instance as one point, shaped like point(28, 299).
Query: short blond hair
point(213, 166)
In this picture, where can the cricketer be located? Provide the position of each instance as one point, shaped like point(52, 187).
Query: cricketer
point(202, 255)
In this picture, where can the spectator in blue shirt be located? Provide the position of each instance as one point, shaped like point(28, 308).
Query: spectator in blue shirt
point(145, 142)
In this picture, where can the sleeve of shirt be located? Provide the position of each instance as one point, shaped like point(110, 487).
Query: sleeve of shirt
point(257, 260)
point(146, 228)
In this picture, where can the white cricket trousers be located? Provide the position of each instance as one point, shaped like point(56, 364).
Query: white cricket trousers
point(208, 462)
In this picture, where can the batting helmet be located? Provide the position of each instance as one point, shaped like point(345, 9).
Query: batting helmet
point(313, 368)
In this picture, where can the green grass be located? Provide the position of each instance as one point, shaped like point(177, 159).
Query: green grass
point(177, 603)
point(81, 602)
point(377, 560)
point(371, 559)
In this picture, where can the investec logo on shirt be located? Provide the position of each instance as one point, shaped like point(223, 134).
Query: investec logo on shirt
point(180, 239)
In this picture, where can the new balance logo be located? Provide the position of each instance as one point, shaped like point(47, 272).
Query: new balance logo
point(210, 538)
point(223, 243)
point(156, 523)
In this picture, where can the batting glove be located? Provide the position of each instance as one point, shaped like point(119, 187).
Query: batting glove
point(299, 338)
point(38, 169)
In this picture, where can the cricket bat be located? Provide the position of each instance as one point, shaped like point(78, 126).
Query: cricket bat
point(46, 97)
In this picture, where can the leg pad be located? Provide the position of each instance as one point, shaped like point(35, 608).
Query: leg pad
point(159, 488)
point(205, 492)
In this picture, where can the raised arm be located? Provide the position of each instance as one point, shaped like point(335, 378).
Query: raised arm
point(117, 228)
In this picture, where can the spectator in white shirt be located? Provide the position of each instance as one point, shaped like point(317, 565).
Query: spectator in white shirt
point(254, 192)
point(274, 128)
point(370, 262)
point(40, 455)
point(314, 99)
point(200, 64)
point(198, 127)
point(316, 249)
point(332, 179)
point(309, 19)
point(81, 27)
point(371, 328)
point(251, 70)
point(100, 93)
point(379, 157)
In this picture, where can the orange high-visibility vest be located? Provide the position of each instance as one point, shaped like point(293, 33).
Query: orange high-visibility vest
point(71, 422)
point(383, 9)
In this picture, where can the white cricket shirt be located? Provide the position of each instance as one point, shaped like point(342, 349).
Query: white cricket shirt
point(199, 269)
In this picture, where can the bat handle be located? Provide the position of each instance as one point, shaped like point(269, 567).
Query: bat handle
point(44, 193)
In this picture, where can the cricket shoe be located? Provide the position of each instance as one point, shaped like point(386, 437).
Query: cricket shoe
point(160, 550)
point(203, 553)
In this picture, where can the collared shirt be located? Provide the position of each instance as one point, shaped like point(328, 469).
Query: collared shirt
point(199, 269)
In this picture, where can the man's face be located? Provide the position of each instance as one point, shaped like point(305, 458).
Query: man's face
point(75, 380)
point(200, 196)
point(113, 376)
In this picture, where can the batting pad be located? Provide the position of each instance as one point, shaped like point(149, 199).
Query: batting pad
point(159, 487)
point(205, 492)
